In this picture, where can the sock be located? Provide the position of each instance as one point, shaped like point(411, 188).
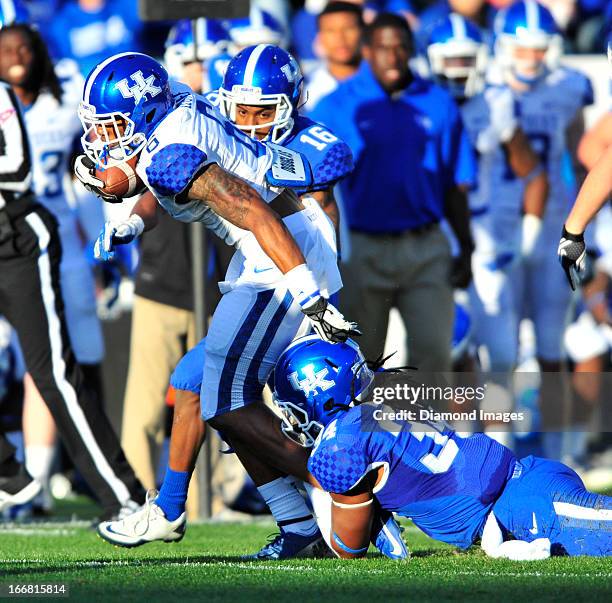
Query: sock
point(38, 460)
point(173, 493)
point(288, 506)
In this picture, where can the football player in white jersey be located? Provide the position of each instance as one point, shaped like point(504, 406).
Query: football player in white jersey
point(550, 101)
point(198, 164)
point(260, 109)
point(458, 59)
point(50, 97)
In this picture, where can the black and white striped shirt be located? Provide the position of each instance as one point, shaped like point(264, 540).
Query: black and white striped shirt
point(15, 159)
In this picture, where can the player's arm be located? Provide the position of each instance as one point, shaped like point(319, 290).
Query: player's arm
point(148, 209)
point(594, 143)
point(144, 216)
point(327, 201)
point(233, 199)
point(328, 204)
point(525, 163)
point(594, 192)
point(352, 516)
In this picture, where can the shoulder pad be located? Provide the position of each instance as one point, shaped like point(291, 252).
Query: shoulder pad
point(173, 167)
point(338, 461)
point(330, 158)
point(289, 168)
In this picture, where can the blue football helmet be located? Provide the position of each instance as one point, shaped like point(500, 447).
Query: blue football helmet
point(315, 380)
point(260, 27)
point(124, 98)
point(527, 24)
point(457, 56)
point(13, 11)
point(211, 36)
point(263, 75)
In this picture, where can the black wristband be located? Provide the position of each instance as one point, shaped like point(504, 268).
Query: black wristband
point(577, 238)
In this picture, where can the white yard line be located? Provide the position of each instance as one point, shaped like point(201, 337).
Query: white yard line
point(295, 568)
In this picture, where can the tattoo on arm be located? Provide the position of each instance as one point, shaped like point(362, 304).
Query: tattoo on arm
point(226, 194)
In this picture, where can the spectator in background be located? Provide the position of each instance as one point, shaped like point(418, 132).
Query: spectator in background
point(340, 27)
point(412, 156)
point(89, 31)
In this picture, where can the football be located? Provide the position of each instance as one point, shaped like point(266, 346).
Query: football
point(121, 180)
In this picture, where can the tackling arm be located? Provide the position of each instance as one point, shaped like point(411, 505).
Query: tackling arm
point(352, 516)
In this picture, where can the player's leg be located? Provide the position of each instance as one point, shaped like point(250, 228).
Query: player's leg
point(188, 433)
point(550, 303)
point(157, 342)
point(40, 436)
point(425, 299)
point(87, 433)
point(496, 333)
point(239, 360)
point(547, 499)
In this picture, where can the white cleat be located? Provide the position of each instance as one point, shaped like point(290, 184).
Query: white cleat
point(147, 524)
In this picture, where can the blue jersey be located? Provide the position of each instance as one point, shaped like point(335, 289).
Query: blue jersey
point(411, 149)
point(445, 483)
point(330, 158)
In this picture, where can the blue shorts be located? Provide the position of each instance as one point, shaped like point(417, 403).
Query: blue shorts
point(230, 366)
point(547, 499)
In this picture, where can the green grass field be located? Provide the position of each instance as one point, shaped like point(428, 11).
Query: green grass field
point(206, 566)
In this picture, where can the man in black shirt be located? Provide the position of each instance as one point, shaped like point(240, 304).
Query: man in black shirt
point(31, 300)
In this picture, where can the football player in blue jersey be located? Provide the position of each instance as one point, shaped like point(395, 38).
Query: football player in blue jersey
point(196, 162)
point(505, 229)
point(455, 489)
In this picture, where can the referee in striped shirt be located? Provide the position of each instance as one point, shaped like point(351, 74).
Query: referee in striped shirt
point(30, 299)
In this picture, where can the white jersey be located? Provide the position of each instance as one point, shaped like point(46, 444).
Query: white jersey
point(491, 121)
point(545, 112)
point(52, 128)
point(195, 134)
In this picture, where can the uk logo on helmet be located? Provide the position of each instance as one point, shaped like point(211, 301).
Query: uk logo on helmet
point(141, 87)
point(314, 380)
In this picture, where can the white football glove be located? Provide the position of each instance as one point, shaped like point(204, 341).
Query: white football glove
point(85, 170)
point(117, 232)
point(328, 322)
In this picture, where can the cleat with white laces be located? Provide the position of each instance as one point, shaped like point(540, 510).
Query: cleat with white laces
point(147, 524)
point(288, 545)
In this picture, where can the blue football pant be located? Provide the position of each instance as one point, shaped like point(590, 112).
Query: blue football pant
point(547, 499)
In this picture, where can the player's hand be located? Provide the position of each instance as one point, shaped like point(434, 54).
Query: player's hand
point(572, 253)
point(461, 270)
point(117, 232)
point(85, 170)
point(328, 322)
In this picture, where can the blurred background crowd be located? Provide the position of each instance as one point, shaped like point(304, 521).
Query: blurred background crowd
point(409, 252)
